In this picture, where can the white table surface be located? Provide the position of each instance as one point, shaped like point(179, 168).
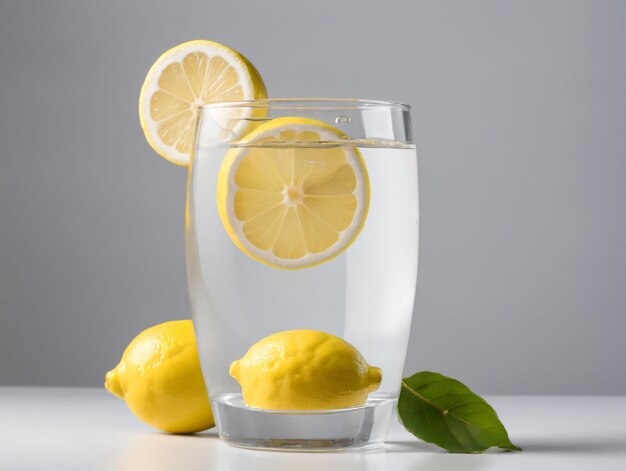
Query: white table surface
point(82, 429)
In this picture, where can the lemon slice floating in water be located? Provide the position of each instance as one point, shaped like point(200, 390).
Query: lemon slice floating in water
point(286, 200)
point(183, 79)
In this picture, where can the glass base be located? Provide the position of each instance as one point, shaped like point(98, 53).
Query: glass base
point(356, 428)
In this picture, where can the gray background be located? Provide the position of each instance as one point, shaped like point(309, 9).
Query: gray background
point(519, 114)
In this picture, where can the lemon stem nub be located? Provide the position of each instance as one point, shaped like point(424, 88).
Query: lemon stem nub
point(234, 370)
point(375, 376)
point(112, 384)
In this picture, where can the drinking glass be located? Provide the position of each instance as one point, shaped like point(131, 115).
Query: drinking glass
point(363, 294)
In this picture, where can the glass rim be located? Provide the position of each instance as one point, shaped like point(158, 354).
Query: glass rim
point(309, 104)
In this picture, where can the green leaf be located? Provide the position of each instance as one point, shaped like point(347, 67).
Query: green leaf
point(444, 411)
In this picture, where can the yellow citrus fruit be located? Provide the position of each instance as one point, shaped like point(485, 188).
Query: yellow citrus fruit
point(159, 377)
point(304, 370)
point(183, 79)
point(289, 202)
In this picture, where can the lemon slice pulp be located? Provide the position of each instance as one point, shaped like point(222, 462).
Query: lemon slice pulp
point(289, 202)
point(183, 79)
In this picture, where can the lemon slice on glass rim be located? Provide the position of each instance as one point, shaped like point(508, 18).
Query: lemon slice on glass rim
point(182, 80)
point(289, 202)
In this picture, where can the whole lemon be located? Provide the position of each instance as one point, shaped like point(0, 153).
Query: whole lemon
point(160, 379)
point(304, 370)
